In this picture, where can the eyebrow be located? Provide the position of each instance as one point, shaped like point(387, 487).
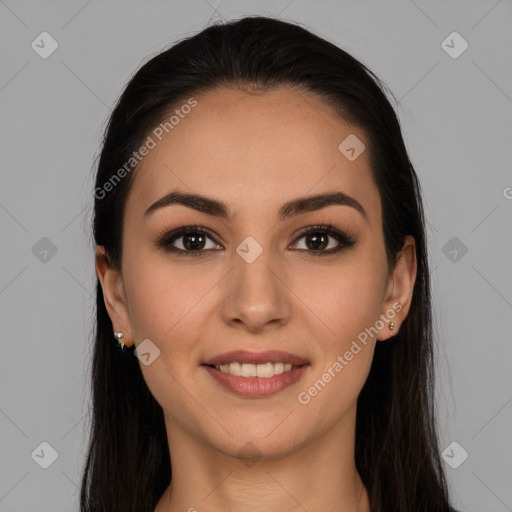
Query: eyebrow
point(290, 209)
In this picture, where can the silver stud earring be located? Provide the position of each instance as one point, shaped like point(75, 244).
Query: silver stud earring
point(118, 336)
point(392, 326)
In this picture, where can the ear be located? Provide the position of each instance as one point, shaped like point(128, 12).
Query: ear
point(399, 291)
point(114, 295)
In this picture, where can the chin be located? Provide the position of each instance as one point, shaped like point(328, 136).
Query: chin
point(254, 441)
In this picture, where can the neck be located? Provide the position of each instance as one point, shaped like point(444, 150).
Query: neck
point(319, 476)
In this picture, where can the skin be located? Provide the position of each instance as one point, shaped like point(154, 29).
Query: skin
point(256, 152)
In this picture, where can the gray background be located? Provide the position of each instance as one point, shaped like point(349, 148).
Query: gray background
point(457, 122)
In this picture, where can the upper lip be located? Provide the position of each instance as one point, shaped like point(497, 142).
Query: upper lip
point(243, 356)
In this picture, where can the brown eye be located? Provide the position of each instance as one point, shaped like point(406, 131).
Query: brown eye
point(193, 242)
point(317, 240)
point(189, 241)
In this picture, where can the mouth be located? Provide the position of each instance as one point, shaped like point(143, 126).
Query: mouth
point(255, 375)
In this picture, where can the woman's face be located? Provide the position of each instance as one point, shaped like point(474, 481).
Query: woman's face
point(254, 282)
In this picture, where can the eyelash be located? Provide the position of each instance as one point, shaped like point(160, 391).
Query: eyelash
point(168, 238)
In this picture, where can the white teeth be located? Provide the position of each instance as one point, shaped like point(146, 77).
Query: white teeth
point(264, 370)
point(249, 370)
point(278, 368)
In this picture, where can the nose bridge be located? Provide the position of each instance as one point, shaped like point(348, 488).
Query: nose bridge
point(253, 263)
point(257, 294)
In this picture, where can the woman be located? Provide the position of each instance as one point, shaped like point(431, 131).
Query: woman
point(261, 251)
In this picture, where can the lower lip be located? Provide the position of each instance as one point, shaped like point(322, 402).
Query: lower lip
point(256, 387)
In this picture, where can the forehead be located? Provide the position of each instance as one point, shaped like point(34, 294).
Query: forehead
point(254, 150)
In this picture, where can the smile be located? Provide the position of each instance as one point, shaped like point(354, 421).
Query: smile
point(256, 380)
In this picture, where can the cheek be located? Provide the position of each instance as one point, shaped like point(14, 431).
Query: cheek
point(342, 299)
point(165, 307)
point(174, 306)
point(343, 305)
point(346, 343)
point(162, 295)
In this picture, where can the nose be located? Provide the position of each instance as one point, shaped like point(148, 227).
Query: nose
point(257, 297)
